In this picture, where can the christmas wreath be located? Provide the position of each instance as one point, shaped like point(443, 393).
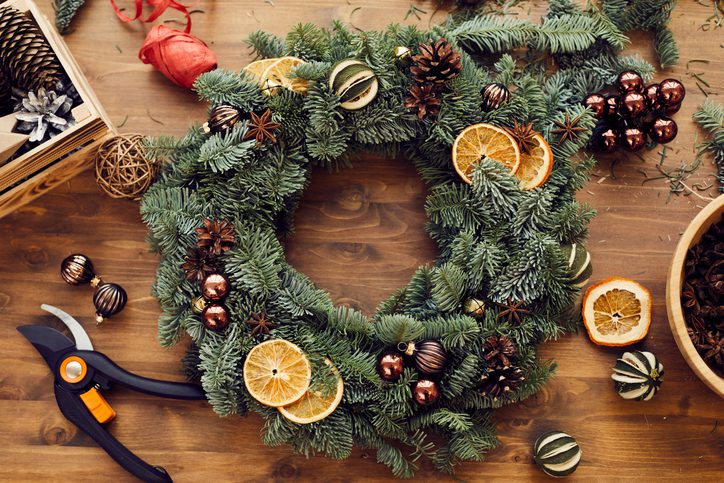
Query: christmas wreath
point(421, 377)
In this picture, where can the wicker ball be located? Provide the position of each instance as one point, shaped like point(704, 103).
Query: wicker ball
point(122, 168)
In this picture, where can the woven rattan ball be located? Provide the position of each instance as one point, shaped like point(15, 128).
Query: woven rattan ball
point(122, 168)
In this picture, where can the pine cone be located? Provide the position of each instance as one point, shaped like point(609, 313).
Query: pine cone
point(26, 56)
point(424, 100)
point(197, 264)
point(500, 382)
point(5, 95)
point(216, 236)
point(497, 350)
point(44, 115)
point(436, 63)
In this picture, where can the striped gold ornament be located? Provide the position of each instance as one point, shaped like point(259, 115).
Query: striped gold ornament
point(109, 299)
point(429, 356)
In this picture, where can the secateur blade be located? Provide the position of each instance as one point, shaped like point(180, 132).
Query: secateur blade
point(49, 342)
point(82, 341)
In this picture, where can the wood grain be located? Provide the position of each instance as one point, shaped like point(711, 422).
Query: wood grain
point(360, 235)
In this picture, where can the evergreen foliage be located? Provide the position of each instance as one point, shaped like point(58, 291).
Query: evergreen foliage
point(710, 116)
point(496, 242)
point(65, 12)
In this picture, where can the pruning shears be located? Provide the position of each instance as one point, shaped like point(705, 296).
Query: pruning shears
point(81, 374)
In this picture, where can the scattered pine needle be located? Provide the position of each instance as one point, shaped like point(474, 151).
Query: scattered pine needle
point(148, 113)
point(123, 123)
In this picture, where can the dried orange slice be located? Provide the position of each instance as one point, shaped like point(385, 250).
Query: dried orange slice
point(617, 311)
point(276, 75)
point(481, 141)
point(257, 68)
point(316, 404)
point(277, 373)
point(535, 165)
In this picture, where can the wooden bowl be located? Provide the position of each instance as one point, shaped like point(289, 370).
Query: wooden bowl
point(699, 225)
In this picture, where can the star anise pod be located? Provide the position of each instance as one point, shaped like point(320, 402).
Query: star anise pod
point(500, 382)
point(497, 350)
point(424, 100)
point(568, 129)
point(524, 136)
point(197, 265)
point(713, 348)
point(259, 324)
point(216, 236)
point(512, 311)
point(262, 127)
point(689, 300)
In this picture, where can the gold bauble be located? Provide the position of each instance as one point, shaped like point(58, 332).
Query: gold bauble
point(403, 56)
point(474, 307)
point(198, 304)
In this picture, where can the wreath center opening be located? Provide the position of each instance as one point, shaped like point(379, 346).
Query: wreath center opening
point(360, 232)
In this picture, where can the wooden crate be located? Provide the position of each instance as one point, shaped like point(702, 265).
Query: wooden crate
point(64, 156)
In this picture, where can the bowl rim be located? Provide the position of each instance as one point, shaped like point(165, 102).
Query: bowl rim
point(701, 222)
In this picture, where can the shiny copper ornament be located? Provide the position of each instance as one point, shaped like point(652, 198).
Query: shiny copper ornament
point(597, 103)
point(629, 80)
point(633, 139)
point(403, 57)
point(608, 140)
point(429, 356)
point(612, 106)
point(108, 299)
point(198, 304)
point(215, 317)
point(425, 392)
point(672, 109)
point(221, 119)
point(671, 92)
point(651, 92)
point(494, 95)
point(632, 104)
point(77, 269)
point(215, 287)
point(663, 130)
point(390, 366)
point(474, 307)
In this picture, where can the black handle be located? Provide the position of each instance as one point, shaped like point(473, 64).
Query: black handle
point(73, 408)
point(174, 390)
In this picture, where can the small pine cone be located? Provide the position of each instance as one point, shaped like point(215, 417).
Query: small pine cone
point(216, 236)
point(5, 95)
point(498, 349)
point(501, 382)
point(26, 56)
point(437, 62)
point(424, 100)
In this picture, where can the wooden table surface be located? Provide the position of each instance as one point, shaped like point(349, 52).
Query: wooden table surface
point(360, 236)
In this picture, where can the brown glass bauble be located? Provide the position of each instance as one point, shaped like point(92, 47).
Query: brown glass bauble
point(425, 392)
point(608, 140)
point(663, 130)
point(215, 287)
point(612, 106)
point(77, 269)
point(109, 299)
point(632, 104)
point(671, 92)
point(429, 356)
point(597, 103)
point(215, 317)
point(494, 95)
point(221, 119)
point(629, 80)
point(633, 139)
point(672, 109)
point(651, 92)
point(390, 366)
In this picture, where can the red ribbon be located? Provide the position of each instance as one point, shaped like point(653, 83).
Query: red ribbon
point(160, 6)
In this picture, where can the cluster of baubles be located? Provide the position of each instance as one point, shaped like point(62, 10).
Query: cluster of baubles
point(635, 113)
point(428, 357)
point(108, 298)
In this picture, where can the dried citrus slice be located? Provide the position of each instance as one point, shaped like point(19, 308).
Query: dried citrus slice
point(257, 68)
point(276, 75)
point(617, 311)
point(316, 404)
point(535, 165)
point(481, 141)
point(276, 373)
